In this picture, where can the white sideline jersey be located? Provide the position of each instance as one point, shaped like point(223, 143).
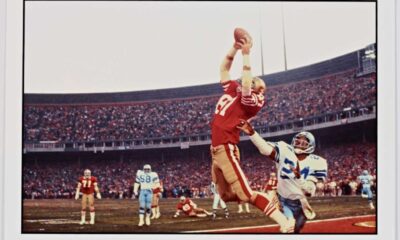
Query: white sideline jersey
point(213, 188)
point(312, 168)
point(366, 180)
point(146, 180)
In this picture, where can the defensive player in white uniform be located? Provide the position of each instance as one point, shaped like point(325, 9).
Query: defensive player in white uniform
point(366, 180)
point(145, 179)
point(298, 170)
point(218, 200)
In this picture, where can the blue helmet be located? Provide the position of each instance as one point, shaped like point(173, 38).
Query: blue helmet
point(311, 143)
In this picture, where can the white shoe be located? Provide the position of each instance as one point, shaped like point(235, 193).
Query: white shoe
point(91, 222)
point(82, 222)
point(240, 210)
point(141, 223)
point(371, 205)
point(158, 215)
point(289, 227)
point(147, 220)
point(153, 216)
point(364, 195)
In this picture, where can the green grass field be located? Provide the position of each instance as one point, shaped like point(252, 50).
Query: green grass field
point(121, 216)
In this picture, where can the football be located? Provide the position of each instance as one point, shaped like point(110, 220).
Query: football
point(240, 34)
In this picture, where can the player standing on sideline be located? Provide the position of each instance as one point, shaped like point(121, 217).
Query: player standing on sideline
point(155, 207)
point(298, 171)
point(271, 187)
point(88, 184)
point(366, 180)
point(239, 101)
point(190, 208)
point(272, 183)
point(145, 179)
point(218, 200)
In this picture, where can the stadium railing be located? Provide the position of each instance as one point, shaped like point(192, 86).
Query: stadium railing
point(346, 116)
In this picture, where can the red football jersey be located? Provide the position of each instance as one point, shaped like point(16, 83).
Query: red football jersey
point(87, 184)
point(231, 107)
point(186, 206)
point(272, 184)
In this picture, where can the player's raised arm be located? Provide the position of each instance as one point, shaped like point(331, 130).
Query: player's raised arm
point(78, 190)
point(247, 77)
point(264, 148)
point(227, 63)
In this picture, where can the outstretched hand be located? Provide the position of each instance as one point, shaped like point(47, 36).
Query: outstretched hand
point(245, 127)
point(248, 43)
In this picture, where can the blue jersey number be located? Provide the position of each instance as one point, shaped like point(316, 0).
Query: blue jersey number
point(143, 179)
point(285, 171)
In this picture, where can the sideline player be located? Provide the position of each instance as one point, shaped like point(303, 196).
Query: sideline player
point(88, 185)
point(145, 179)
point(366, 181)
point(155, 207)
point(271, 189)
point(298, 171)
point(217, 200)
point(239, 101)
point(190, 208)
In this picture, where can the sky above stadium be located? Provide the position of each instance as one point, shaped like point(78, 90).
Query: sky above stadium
point(86, 47)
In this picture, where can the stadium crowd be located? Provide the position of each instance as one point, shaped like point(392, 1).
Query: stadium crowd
point(192, 116)
point(190, 175)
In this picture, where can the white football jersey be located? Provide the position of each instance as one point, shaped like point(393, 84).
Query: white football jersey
point(312, 168)
point(366, 180)
point(146, 180)
point(213, 188)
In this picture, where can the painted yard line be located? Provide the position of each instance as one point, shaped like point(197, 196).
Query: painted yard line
point(275, 225)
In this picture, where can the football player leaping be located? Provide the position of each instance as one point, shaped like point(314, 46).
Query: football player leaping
point(145, 179)
point(298, 170)
point(88, 185)
point(366, 181)
point(239, 101)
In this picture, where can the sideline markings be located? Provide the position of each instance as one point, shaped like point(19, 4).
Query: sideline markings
point(276, 225)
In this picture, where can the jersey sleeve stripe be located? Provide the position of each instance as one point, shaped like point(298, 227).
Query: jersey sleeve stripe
point(250, 100)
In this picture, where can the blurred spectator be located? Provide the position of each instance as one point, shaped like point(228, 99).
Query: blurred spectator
point(192, 116)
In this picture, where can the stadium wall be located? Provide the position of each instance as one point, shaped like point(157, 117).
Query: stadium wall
point(364, 131)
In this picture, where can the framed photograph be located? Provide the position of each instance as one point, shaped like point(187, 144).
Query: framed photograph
point(164, 120)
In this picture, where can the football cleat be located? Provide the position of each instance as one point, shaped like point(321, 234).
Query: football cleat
point(289, 226)
point(158, 215)
point(371, 206)
point(82, 222)
point(148, 220)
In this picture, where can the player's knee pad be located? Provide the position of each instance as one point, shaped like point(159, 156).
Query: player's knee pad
point(242, 191)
